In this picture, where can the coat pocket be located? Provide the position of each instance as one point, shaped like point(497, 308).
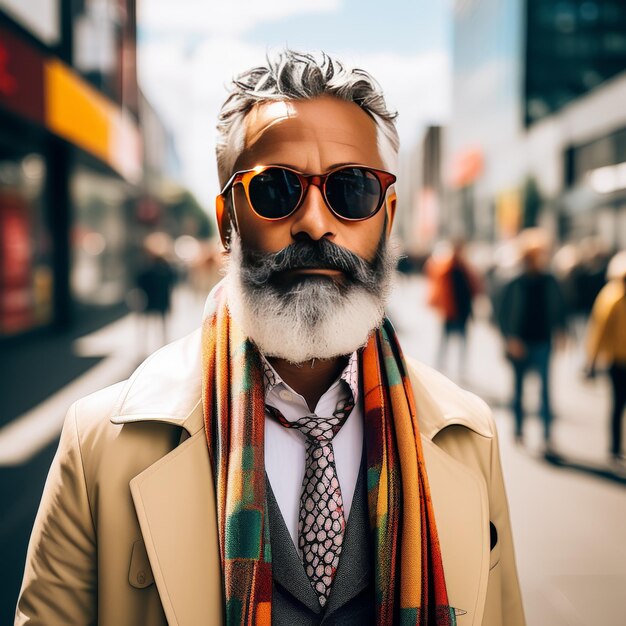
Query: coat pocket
point(494, 555)
point(140, 572)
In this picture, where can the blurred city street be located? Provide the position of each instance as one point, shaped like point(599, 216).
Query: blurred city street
point(556, 504)
point(506, 128)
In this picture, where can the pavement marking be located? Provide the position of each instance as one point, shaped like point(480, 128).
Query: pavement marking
point(29, 433)
point(26, 435)
point(123, 343)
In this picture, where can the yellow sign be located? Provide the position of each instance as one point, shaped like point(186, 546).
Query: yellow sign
point(509, 212)
point(78, 113)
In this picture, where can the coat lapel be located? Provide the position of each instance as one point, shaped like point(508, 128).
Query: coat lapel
point(177, 493)
point(175, 497)
point(460, 503)
point(175, 503)
point(459, 494)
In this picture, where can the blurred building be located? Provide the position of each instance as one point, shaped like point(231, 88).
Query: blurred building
point(70, 156)
point(423, 186)
point(83, 158)
point(537, 118)
point(571, 48)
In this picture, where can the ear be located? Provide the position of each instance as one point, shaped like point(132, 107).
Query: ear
point(224, 223)
point(390, 207)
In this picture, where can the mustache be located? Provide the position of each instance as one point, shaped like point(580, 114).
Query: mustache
point(261, 268)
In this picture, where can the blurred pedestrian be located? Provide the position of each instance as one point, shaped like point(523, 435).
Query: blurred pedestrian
point(606, 342)
point(453, 287)
point(567, 267)
point(586, 280)
point(592, 273)
point(156, 281)
point(531, 315)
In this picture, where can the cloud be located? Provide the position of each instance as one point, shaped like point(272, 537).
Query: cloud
point(188, 87)
point(221, 17)
point(496, 81)
point(188, 90)
point(417, 86)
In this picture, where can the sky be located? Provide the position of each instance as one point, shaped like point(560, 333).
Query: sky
point(189, 50)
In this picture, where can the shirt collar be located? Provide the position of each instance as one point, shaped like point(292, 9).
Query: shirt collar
point(350, 375)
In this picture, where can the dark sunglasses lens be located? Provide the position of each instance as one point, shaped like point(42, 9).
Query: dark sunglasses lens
point(274, 192)
point(353, 192)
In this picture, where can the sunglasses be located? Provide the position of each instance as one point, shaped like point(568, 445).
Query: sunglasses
point(274, 192)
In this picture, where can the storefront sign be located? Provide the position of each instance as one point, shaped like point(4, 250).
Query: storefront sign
point(46, 91)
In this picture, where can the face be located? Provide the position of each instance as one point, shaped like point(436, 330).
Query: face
point(313, 137)
point(321, 280)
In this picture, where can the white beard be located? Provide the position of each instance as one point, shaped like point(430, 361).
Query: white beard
point(315, 320)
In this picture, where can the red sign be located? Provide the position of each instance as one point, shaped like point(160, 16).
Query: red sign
point(21, 77)
point(467, 166)
point(16, 301)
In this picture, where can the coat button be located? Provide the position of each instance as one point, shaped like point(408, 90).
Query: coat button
point(141, 578)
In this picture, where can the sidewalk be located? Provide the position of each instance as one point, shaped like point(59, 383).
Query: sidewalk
point(568, 519)
point(38, 365)
point(92, 361)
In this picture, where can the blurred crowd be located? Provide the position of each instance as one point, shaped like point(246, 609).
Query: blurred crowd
point(539, 301)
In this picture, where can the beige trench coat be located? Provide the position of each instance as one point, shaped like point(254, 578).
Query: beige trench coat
point(126, 531)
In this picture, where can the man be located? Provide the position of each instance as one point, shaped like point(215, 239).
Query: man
point(283, 465)
point(532, 316)
point(156, 281)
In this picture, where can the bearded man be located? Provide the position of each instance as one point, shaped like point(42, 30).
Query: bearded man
point(284, 464)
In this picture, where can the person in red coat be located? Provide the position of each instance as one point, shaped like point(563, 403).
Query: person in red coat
point(453, 286)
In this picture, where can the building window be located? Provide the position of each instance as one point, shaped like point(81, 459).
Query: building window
point(26, 277)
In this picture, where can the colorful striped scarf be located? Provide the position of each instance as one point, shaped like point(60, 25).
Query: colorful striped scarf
point(410, 587)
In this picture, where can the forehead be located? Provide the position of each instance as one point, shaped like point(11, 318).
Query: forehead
point(309, 135)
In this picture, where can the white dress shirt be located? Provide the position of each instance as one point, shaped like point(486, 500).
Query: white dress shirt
point(285, 448)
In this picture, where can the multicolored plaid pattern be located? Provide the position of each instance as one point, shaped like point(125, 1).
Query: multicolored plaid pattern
point(234, 410)
point(409, 579)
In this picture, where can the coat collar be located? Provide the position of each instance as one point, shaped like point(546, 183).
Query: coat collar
point(167, 387)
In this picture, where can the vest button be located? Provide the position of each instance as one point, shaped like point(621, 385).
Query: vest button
point(141, 578)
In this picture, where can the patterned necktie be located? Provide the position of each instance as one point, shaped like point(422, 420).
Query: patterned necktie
point(321, 522)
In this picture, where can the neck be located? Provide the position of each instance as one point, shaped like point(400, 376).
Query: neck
point(310, 379)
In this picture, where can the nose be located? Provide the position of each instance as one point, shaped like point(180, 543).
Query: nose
point(314, 218)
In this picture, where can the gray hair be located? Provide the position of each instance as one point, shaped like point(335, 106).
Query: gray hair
point(291, 75)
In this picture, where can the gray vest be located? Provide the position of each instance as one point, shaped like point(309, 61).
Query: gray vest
point(351, 601)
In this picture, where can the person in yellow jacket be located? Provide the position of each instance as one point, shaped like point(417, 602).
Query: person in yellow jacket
point(606, 342)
